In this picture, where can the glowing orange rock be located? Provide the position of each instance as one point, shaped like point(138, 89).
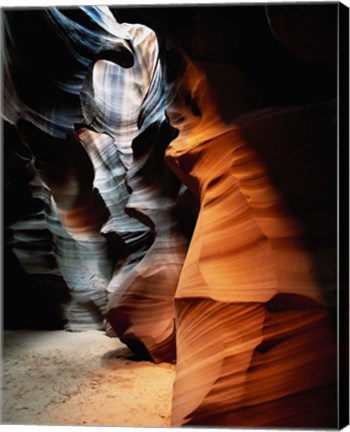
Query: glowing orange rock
point(254, 341)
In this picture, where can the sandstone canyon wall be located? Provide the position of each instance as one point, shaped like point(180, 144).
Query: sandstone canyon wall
point(175, 177)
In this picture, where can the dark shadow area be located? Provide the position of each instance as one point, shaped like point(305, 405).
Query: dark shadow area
point(240, 35)
point(31, 301)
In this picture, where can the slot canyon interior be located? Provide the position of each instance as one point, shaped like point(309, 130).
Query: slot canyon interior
point(170, 216)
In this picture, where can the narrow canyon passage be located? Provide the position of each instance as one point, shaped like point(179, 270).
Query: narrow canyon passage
point(170, 194)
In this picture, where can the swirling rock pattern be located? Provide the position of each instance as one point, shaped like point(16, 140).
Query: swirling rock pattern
point(127, 219)
point(131, 102)
point(255, 266)
point(37, 280)
point(43, 100)
point(45, 89)
point(141, 309)
point(160, 196)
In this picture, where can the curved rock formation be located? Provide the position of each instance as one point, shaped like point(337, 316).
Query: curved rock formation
point(255, 268)
point(128, 104)
point(97, 139)
point(34, 291)
point(47, 54)
point(42, 97)
point(169, 197)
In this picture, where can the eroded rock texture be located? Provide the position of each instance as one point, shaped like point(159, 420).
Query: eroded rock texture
point(97, 139)
point(184, 189)
point(48, 55)
point(255, 279)
point(259, 278)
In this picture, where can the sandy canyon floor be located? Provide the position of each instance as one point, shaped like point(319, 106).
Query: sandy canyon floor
point(62, 378)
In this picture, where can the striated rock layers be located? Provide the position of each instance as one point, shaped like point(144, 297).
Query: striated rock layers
point(47, 57)
point(255, 346)
point(117, 149)
point(97, 139)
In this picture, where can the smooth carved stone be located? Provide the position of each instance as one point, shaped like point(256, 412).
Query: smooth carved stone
point(253, 337)
point(42, 98)
point(104, 205)
point(74, 216)
point(140, 193)
point(48, 54)
point(124, 102)
point(45, 250)
point(260, 266)
point(141, 309)
point(128, 237)
point(258, 365)
point(77, 261)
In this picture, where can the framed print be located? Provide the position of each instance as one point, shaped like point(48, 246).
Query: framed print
point(176, 215)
